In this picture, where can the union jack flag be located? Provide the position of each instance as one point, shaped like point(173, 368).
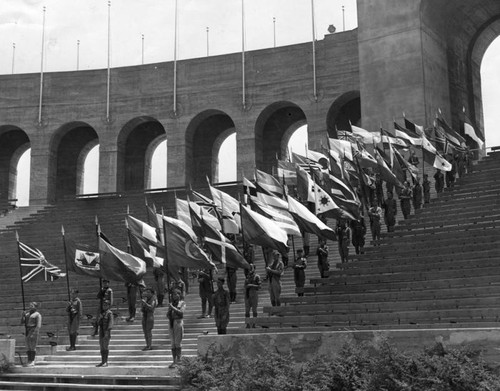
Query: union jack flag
point(33, 263)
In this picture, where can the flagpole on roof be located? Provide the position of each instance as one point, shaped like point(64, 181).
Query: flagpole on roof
point(65, 261)
point(20, 271)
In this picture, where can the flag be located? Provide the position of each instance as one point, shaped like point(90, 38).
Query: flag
point(388, 138)
point(340, 188)
point(441, 163)
point(230, 209)
point(287, 172)
point(282, 217)
point(366, 136)
point(33, 264)
point(153, 218)
point(340, 149)
point(198, 213)
point(183, 212)
point(412, 169)
point(117, 265)
point(182, 248)
point(268, 183)
point(145, 242)
point(222, 249)
point(82, 258)
point(411, 136)
point(385, 172)
point(305, 185)
point(414, 127)
point(449, 133)
point(262, 231)
point(148, 253)
point(249, 188)
point(471, 132)
point(308, 222)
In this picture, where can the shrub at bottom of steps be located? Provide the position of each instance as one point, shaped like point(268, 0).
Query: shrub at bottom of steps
point(5, 365)
point(357, 367)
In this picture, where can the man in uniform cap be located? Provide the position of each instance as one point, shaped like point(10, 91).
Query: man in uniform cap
point(105, 323)
point(222, 301)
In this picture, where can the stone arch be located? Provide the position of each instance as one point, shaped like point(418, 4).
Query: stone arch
point(134, 142)
point(270, 129)
point(215, 152)
point(204, 132)
point(463, 29)
point(13, 143)
point(80, 165)
point(68, 147)
point(344, 110)
point(149, 158)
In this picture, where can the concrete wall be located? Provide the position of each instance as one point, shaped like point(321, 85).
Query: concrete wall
point(209, 83)
point(304, 345)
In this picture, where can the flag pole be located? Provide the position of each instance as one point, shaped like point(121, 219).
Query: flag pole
point(243, 98)
point(65, 261)
point(315, 92)
point(41, 71)
point(175, 61)
point(97, 232)
point(166, 257)
point(108, 76)
point(20, 271)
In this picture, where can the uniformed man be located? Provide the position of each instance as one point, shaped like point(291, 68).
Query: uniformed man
point(105, 323)
point(222, 301)
point(148, 305)
point(105, 294)
point(274, 273)
point(75, 312)
point(175, 315)
point(32, 320)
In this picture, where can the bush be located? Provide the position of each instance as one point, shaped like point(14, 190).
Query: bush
point(357, 367)
point(5, 365)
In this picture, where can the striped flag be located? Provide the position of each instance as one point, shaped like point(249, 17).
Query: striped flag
point(33, 264)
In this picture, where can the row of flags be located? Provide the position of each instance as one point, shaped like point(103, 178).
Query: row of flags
point(325, 185)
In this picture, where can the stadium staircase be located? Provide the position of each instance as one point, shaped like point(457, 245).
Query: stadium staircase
point(439, 267)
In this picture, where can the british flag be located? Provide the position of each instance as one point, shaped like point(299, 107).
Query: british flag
point(33, 263)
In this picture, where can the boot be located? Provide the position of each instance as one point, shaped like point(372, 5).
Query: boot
point(105, 359)
point(179, 351)
point(72, 338)
point(174, 355)
point(102, 359)
point(30, 358)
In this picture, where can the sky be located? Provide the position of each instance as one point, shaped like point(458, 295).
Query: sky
point(76, 37)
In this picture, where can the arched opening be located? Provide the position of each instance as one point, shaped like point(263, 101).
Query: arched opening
point(272, 132)
point(23, 179)
point(225, 165)
point(156, 170)
point(136, 144)
point(344, 111)
point(14, 142)
point(70, 147)
point(491, 93)
point(204, 136)
point(297, 141)
point(88, 181)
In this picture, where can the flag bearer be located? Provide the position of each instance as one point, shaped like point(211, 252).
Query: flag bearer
point(274, 273)
point(175, 315)
point(32, 320)
point(148, 305)
point(105, 323)
point(75, 312)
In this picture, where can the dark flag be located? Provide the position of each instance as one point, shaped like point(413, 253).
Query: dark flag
point(117, 265)
point(82, 258)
